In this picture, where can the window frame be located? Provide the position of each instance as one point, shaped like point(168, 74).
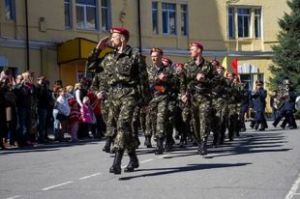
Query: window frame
point(106, 22)
point(85, 6)
point(70, 17)
point(11, 4)
point(184, 14)
point(169, 12)
point(257, 26)
point(156, 11)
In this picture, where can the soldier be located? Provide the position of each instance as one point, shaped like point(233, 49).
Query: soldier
point(197, 70)
point(159, 80)
point(220, 89)
point(259, 104)
point(172, 102)
point(233, 106)
point(245, 103)
point(123, 79)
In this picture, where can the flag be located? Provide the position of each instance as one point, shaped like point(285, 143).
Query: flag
point(224, 63)
point(234, 66)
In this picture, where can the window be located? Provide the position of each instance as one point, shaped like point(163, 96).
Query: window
point(86, 14)
point(105, 15)
point(257, 23)
point(68, 15)
point(243, 22)
point(231, 23)
point(184, 19)
point(155, 17)
point(10, 10)
point(169, 18)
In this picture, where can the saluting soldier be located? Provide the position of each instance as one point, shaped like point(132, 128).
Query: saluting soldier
point(123, 78)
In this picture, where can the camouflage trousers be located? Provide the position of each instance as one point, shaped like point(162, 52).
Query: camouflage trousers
point(201, 112)
point(138, 120)
point(122, 104)
point(156, 117)
point(219, 114)
point(233, 120)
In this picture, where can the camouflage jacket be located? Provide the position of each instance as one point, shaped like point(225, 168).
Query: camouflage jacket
point(127, 69)
point(157, 86)
point(220, 87)
point(191, 69)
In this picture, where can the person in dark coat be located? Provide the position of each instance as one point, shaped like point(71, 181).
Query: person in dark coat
point(259, 104)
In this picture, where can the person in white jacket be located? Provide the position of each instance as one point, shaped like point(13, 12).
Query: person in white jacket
point(61, 112)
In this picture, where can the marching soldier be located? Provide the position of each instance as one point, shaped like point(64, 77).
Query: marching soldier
point(123, 78)
point(197, 73)
point(159, 81)
point(220, 89)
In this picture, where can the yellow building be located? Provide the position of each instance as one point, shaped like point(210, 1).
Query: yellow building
point(61, 33)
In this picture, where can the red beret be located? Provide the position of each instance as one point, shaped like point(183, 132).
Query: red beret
point(179, 65)
point(120, 30)
point(198, 44)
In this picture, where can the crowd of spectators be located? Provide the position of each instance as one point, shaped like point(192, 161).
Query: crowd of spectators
point(33, 112)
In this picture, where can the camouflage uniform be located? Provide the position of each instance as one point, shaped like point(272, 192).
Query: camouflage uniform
point(158, 107)
point(201, 99)
point(220, 89)
point(233, 110)
point(123, 76)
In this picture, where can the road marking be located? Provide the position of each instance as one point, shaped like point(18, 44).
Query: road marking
point(57, 185)
point(123, 166)
point(145, 161)
point(86, 177)
point(14, 197)
point(294, 188)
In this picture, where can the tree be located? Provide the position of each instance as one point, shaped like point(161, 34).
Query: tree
point(287, 53)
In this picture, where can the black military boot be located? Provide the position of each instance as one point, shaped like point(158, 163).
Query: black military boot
point(147, 142)
point(159, 146)
point(215, 140)
point(203, 147)
point(133, 162)
point(116, 167)
point(107, 145)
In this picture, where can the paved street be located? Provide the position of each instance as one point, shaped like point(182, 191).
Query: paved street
point(257, 165)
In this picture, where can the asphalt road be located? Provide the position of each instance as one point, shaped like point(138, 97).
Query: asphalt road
point(257, 165)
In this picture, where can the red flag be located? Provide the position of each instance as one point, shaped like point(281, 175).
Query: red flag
point(234, 66)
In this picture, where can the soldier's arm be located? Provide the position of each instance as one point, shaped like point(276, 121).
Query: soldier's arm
point(93, 60)
point(143, 86)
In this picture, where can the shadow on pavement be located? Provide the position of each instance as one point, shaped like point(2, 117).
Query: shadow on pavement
point(189, 167)
point(246, 144)
point(55, 146)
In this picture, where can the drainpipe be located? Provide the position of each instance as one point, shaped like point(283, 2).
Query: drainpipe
point(139, 25)
point(27, 35)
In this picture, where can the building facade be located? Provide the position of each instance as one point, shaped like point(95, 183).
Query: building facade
point(61, 33)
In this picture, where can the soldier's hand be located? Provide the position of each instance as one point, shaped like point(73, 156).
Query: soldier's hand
point(184, 98)
point(101, 95)
point(162, 77)
point(200, 77)
point(103, 43)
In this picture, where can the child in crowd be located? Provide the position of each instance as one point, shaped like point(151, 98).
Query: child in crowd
point(74, 119)
point(87, 114)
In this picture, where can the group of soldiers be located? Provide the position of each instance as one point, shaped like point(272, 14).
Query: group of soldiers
point(194, 98)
